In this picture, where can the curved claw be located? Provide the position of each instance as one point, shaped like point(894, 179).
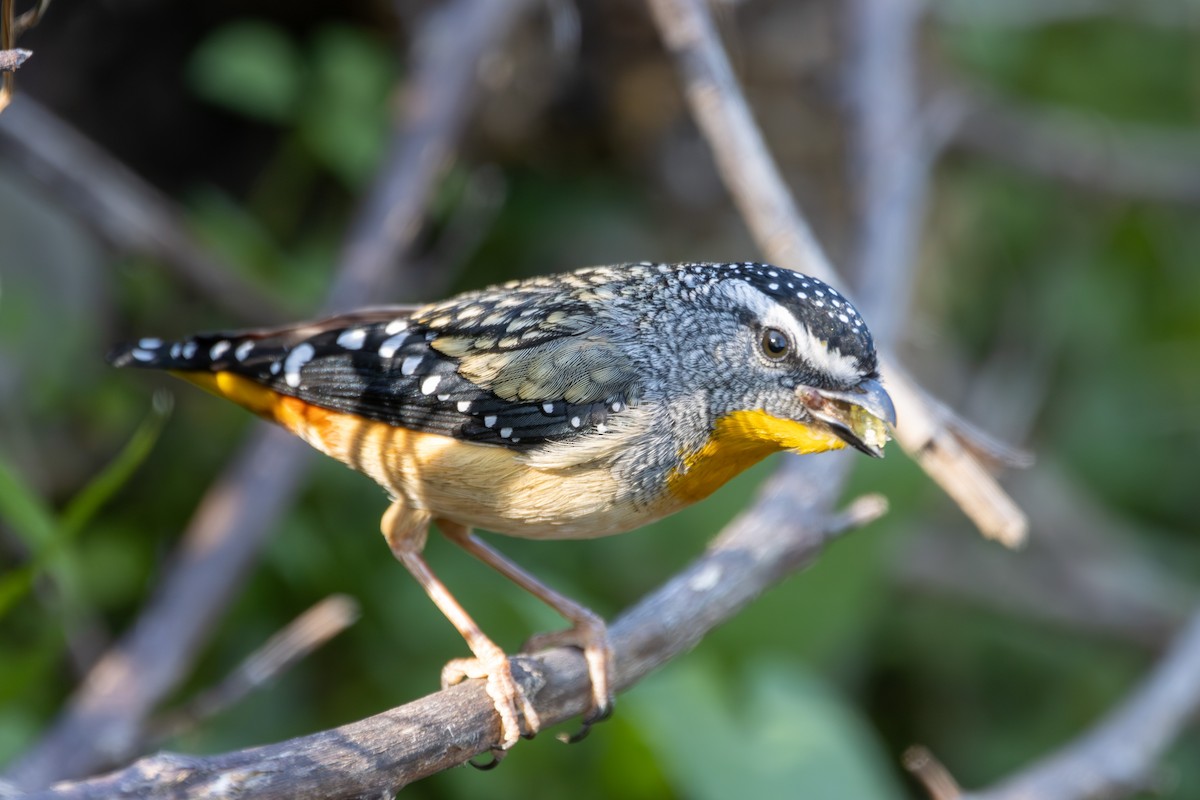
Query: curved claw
point(597, 714)
point(497, 753)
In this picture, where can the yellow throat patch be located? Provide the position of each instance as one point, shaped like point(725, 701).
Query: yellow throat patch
point(738, 441)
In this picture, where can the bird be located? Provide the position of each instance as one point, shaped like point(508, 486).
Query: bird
point(567, 406)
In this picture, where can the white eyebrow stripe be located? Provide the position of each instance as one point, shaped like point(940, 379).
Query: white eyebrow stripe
point(771, 313)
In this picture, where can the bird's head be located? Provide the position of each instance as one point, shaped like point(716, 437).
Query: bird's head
point(795, 364)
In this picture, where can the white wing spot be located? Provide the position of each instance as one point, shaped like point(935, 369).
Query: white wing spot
point(601, 428)
point(505, 433)
point(295, 360)
point(141, 355)
point(548, 408)
point(390, 346)
point(352, 338)
point(150, 343)
point(409, 365)
point(616, 406)
point(430, 384)
point(176, 349)
point(243, 350)
point(802, 295)
point(489, 421)
point(464, 406)
point(773, 286)
point(843, 318)
point(276, 367)
point(576, 422)
point(189, 350)
point(218, 350)
point(395, 326)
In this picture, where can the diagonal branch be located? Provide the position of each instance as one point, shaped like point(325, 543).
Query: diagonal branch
point(379, 755)
point(104, 722)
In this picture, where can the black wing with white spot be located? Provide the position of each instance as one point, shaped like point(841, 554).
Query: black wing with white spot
point(457, 369)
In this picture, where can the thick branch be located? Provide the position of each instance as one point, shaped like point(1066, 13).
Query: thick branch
point(104, 721)
point(782, 234)
point(385, 752)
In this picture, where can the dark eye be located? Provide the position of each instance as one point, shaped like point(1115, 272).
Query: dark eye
point(774, 343)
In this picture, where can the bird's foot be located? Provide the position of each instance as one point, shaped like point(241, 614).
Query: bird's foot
point(509, 690)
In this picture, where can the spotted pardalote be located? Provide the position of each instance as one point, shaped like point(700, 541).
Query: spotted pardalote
point(576, 405)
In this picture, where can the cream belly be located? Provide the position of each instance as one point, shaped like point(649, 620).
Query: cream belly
point(477, 485)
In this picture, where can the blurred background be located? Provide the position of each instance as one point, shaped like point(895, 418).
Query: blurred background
point(1055, 301)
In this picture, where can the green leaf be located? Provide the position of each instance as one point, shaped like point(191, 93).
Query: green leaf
point(47, 537)
point(345, 121)
point(252, 68)
point(84, 505)
point(787, 734)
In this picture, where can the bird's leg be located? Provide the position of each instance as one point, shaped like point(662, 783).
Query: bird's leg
point(405, 530)
point(587, 632)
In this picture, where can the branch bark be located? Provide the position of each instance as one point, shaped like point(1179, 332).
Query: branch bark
point(104, 722)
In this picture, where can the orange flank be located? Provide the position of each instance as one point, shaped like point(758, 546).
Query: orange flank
point(738, 441)
point(479, 485)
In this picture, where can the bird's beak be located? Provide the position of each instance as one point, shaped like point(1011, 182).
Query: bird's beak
point(858, 416)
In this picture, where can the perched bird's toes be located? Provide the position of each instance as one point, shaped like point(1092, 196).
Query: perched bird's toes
point(512, 704)
point(592, 638)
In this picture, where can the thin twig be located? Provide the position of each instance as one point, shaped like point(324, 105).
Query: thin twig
point(390, 750)
point(8, 36)
point(104, 721)
point(294, 642)
point(120, 208)
point(782, 234)
point(932, 774)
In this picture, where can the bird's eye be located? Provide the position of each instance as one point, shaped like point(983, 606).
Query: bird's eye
point(774, 343)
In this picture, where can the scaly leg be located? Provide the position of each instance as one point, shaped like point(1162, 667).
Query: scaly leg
point(406, 531)
point(588, 631)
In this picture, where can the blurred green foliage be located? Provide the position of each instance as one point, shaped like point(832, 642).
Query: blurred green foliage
point(814, 690)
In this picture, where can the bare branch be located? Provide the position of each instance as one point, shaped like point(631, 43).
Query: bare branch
point(782, 234)
point(937, 780)
point(388, 751)
point(103, 722)
point(301, 636)
point(1117, 757)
